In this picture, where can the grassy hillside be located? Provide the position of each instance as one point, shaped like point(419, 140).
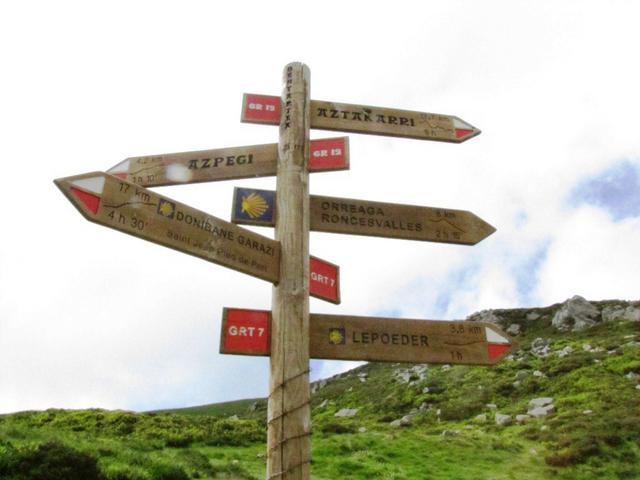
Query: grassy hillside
point(412, 421)
point(224, 409)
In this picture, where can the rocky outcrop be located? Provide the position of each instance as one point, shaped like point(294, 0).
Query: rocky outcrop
point(565, 351)
point(541, 411)
point(318, 386)
point(576, 314)
point(402, 422)
point(540, 347)
point(346, 412)
point(411, 375)
point(541, 407)
point(621, 312)
point(485, 316)
point(482, 418)
point(503, 420)
point(514, 329)
point(540, 402)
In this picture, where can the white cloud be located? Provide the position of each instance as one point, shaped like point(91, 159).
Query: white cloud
point(593, 256)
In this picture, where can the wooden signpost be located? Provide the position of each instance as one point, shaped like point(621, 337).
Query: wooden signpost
point(325, 155)
point(339, 337)
point(363, 217)
point(287, 333)
point(345, 117)
point(124, 206)
point(288, 409)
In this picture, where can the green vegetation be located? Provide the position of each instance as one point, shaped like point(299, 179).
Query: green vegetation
point(225, 409)
point(105, 445)
point(450, 433)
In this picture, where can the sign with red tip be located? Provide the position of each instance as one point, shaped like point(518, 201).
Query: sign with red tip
point(89, 200)
point(365, 119)
point(340, 337)
point(132, 209)
point(497, 345)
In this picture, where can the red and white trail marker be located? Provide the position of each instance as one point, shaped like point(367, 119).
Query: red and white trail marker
point(88, 191)
point(109, 201)
point(497, 345)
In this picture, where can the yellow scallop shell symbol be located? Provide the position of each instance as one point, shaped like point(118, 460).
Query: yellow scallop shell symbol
point(335, 337)
point(166, 209)
point(254, 205)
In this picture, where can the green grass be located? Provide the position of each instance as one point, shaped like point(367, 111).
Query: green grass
point(201, 443)
point(224, 409)
point(415, 455)
point(129, 446)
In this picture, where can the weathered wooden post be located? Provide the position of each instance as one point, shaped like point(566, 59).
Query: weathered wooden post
point(289, 417)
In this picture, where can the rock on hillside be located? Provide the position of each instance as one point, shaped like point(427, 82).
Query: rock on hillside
point(574, 315)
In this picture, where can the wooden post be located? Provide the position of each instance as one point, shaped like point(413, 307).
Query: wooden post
point(289, 414)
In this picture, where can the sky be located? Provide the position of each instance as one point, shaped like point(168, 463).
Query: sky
point(90, 317)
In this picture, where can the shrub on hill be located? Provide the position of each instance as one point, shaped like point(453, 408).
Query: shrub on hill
point(48, 461)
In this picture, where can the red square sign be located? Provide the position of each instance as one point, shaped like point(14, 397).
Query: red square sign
point(245, 332)
point(325, 280)
point(261, 109)
point(329, 154)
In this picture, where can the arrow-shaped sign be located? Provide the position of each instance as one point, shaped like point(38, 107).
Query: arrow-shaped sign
point(324, 277)
point(346, 117)
point(339, 337)
point(328, 154)
point(363, 217)
point(132, 209)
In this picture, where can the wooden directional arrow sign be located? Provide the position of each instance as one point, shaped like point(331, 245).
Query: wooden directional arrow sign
point(324, 277)
point(364, 119)
point(398, 340)
point(362, 217)
point(124, 206)
point(338, 337)
point(328, 154)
